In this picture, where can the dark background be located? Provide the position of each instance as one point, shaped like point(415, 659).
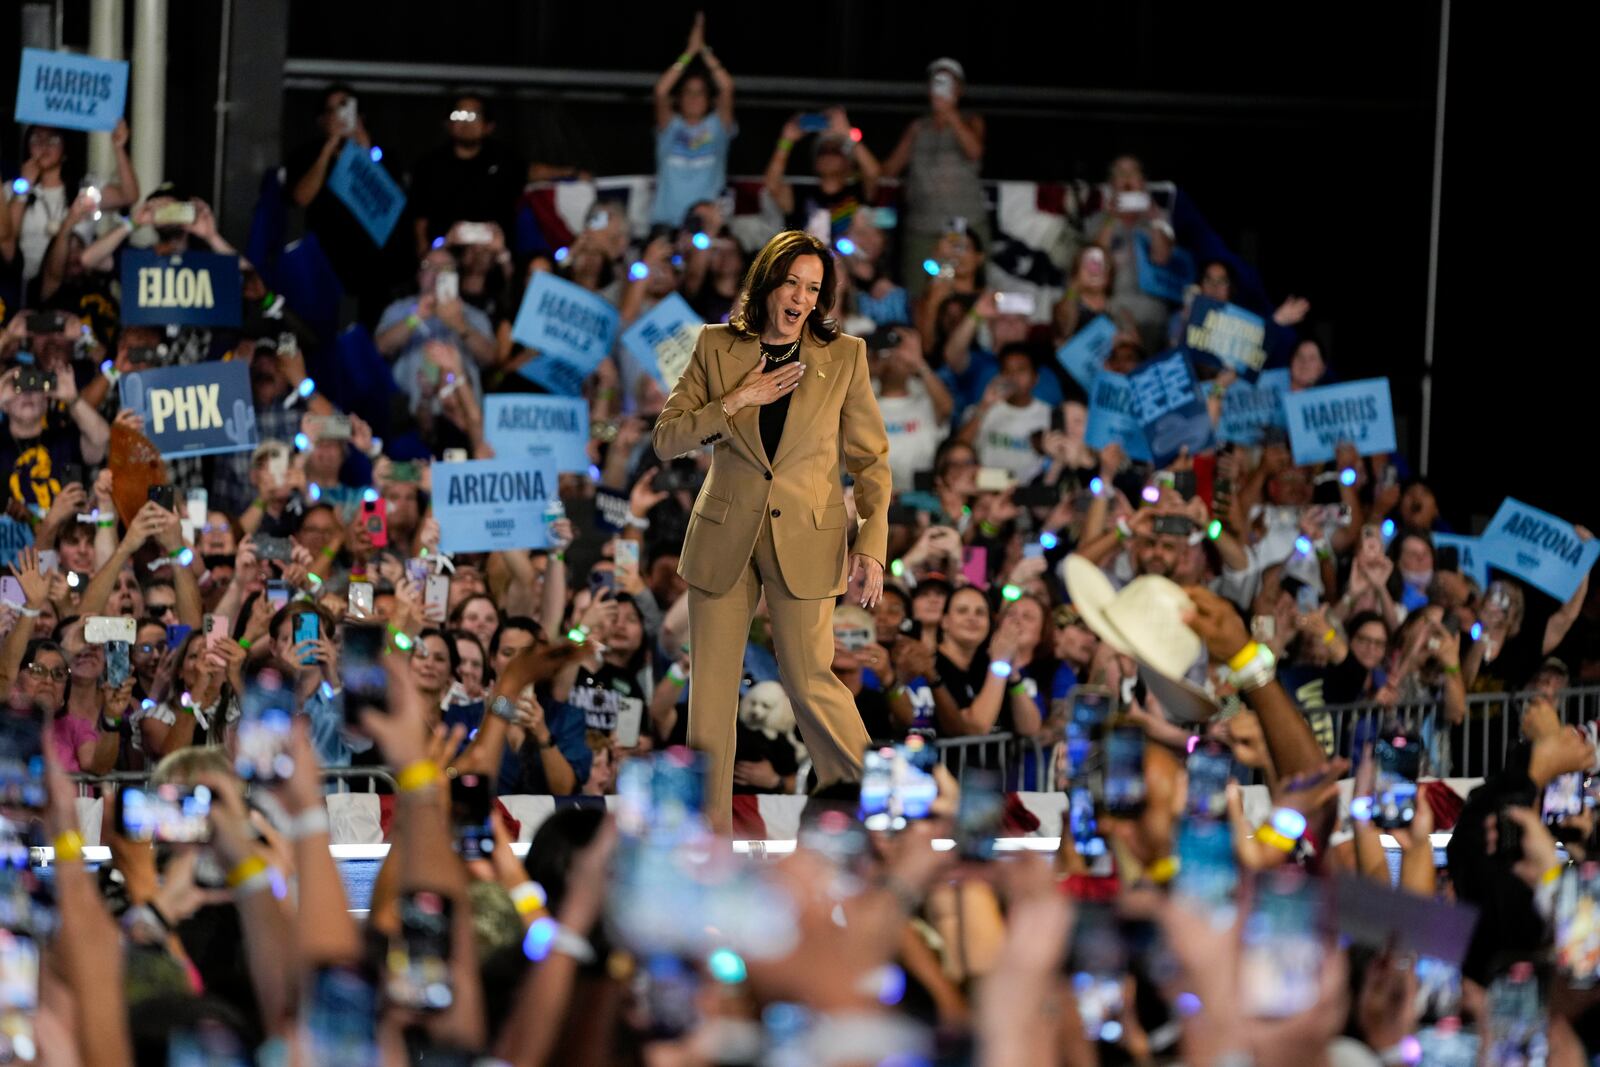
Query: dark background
point(1304, 134)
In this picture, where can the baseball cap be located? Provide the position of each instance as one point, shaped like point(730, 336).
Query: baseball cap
point(945, 63)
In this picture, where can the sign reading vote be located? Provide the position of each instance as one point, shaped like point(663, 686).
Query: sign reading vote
point(373, 197)
point(1114, 418)
point(529, 424)
point(571, 328)
point(1226, 335)
point(71, 91)
point(492, 505)
point(1164, 281)
point(1539, 548)
point(1358, 412)
point(195, 410)
point(663, 338)
point(1469, 554)
point(1085, 351)
point(1170, 408)
point(187, 289)
point(1249, 410)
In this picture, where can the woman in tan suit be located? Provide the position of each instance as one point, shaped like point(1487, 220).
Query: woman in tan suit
point(785, 401)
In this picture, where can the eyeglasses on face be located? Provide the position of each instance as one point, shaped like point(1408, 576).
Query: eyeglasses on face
point(54, 674)
point(424, 654)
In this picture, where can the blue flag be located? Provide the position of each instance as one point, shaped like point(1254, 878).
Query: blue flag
point(1469, 553)
point(1165, 281)
point(373, 197)
point(1113, 417)
point(1085, 352)
point(663, 339)
point(1248, 410)
point(530, 424)
point(194, 410)
point(1542, 550)
point(186, 289)
point(1170, 409)
point(571, 328)
point(70, 91)
point(492, 505)
point(1358, 412)
point(1226, 335)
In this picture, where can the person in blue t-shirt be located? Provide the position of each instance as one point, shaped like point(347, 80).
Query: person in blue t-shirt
point(691, 139)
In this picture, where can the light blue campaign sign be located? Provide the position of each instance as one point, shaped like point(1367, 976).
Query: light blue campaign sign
point(14, 537)
point(1085, 351)
point(187, 288)
point(195, 410)
point(530, 424)
point(1113, 417)
point(1248, 410)
point(71, 91)
point(1165, 281)
point(493, 505)
point(1469, 551)
point(663, 339)
point(571, 328)
point(371, 194)
point(1358, 412)
point(1226, 335)
point(1170, 409)
point(1539, 548)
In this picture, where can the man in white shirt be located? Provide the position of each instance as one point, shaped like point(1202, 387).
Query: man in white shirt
point(1007, 423)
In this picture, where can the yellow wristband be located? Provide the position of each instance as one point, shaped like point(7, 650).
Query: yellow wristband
point(245, 870)
point(69, 847)
point(529, 897)
point(1243, 656)
point(1552, 874)
point(1330, 636)
point(1268, 835)
point(1162, 870)
point(423, 774)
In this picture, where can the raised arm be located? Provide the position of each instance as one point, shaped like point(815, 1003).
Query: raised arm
point(669, 77)
point(782, 192)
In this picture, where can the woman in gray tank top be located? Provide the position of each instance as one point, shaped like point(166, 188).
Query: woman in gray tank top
point(940, 155)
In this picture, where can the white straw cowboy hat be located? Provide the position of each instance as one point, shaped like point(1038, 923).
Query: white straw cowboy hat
point(1145, 621)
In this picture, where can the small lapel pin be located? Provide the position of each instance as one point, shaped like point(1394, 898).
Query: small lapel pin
point(822, 374)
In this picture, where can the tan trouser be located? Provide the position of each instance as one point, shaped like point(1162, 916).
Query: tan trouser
point(802, 637)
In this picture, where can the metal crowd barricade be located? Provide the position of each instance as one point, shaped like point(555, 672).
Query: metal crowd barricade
point(1476, 747)
point(984, 750)
point(92, 784)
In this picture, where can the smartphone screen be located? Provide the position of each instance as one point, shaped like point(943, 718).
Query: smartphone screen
point(1281, 961)
point(118, 664)
point(1210, 766)
point(979, 815)
point(419, 958)
point(261, 750)
point(21, 763)
point(1124, 786)
point(307, 627)
point(1577, 923)
point(277, 593)
point(1207, 872)
point(19, 992)
point(1518, 1017)
point(1085, 830)
point(359, 600)
point(1564, 797)
point(167, 813)
point(1399, 760)
point(1097, 961)
point(897, 785)
point(361, 670)
point(341, 1018)
point(469, 815)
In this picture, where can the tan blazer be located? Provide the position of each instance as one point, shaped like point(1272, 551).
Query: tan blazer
point(833, 415)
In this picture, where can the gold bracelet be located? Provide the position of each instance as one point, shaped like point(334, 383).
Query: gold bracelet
point(423, 774)
point(69, 847)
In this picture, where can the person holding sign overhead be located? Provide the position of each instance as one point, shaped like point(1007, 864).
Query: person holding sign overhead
point(781, 394)
point(39, 206)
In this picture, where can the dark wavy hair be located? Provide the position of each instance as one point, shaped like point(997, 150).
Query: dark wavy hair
point(770, 269)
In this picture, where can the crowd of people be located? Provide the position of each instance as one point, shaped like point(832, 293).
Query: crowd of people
point(222, 628)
